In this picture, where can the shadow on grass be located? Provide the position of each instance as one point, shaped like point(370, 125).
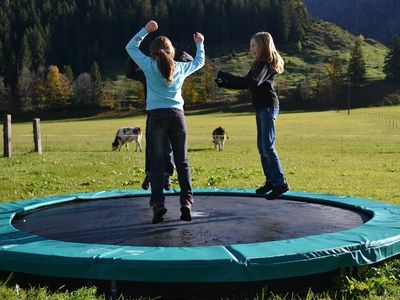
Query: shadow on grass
point(199, 149)
point(220, 107)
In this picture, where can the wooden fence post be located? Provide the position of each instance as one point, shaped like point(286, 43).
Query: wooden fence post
point(7, 136)
point(37, 136)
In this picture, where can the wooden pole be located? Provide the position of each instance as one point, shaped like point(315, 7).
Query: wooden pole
point(348, 95)
point(37, 136)
point(7, 136)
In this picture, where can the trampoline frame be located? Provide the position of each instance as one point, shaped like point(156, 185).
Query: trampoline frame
point(371, 242)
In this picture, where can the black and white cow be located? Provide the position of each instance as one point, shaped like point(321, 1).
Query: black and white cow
point(219, 137)
point(126, 135)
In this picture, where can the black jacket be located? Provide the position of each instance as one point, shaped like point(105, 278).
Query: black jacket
point(260, 82)
point(134, 72)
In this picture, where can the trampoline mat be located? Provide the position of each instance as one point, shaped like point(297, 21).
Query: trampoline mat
point(217, 220)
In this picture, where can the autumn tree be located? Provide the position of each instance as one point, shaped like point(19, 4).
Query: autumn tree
point(335, 74)
point(58, 88)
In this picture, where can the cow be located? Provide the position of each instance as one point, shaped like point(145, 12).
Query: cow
point(126, 135)
point(219, 137)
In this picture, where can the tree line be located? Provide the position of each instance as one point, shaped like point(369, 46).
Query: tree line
point(73, 34)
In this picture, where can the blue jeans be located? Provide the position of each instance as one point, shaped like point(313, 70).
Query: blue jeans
point(169, 167)
point(265, 119)
point(168, 127)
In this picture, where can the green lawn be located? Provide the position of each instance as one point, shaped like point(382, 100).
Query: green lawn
point(325, 152)
point(322, 152)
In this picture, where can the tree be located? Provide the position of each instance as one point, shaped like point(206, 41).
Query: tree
point(161, 12)
point(392, 61)
point(66, 89)
point(67, 71)
point(38, 46)
point(208, 75)
point(40, 88)
point(96, 89)
point(2, 62)
point(26, 89)
point(189, 92)
point(335, 74)
point(25, 55)
point(4, 96)
point(356, 70)
point(57, 93)
point(82, 90)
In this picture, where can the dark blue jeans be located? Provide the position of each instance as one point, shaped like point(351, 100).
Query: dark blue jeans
point(168, 127)
point(265, 119)
point(169, 165)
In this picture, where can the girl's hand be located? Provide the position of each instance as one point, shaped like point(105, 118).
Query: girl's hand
point(151, 26)
point(198, 38)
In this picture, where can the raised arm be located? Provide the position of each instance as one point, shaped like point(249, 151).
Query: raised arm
point(198, 62)
point(142, 60)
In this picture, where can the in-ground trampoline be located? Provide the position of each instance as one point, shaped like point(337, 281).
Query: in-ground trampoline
point(235, 236)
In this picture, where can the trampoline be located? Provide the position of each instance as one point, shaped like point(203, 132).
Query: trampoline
point(235, 236)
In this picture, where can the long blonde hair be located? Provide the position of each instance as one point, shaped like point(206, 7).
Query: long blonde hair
point(163, 52)
point(268, 51)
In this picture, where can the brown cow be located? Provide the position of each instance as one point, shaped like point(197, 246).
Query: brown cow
point(219, 137)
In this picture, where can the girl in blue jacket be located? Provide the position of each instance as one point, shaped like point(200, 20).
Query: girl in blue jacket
point(260, 81)
point(166, 119)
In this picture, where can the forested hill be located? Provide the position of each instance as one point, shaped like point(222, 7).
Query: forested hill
point(377, 19)
point(78, 32)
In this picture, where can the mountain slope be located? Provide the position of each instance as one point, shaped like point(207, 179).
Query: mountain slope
point(377, 19)
point(322, 41)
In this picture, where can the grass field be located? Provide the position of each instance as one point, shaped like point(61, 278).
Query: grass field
point(325, 152)
point(322, 152)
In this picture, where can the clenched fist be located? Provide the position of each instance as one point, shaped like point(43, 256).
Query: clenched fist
point(198, 38)
point(151, 26)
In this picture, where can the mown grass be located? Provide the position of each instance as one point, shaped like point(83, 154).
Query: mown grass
point(323, 152)
point(327, 152)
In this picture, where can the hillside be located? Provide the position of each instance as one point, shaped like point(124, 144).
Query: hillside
point(377, 19)
point(322, 41)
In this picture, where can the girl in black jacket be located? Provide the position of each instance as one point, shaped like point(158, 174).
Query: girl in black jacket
point(260, 81)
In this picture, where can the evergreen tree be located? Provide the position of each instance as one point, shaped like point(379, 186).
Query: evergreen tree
point(40, 89)
point(356, 70)
point(4, 96)
point(2, 62)
point(97, 90)
point(25, 57)
point(161, 13)
point(38, 46)
point(78, 32)
point(67, 71)
point(392, 61)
